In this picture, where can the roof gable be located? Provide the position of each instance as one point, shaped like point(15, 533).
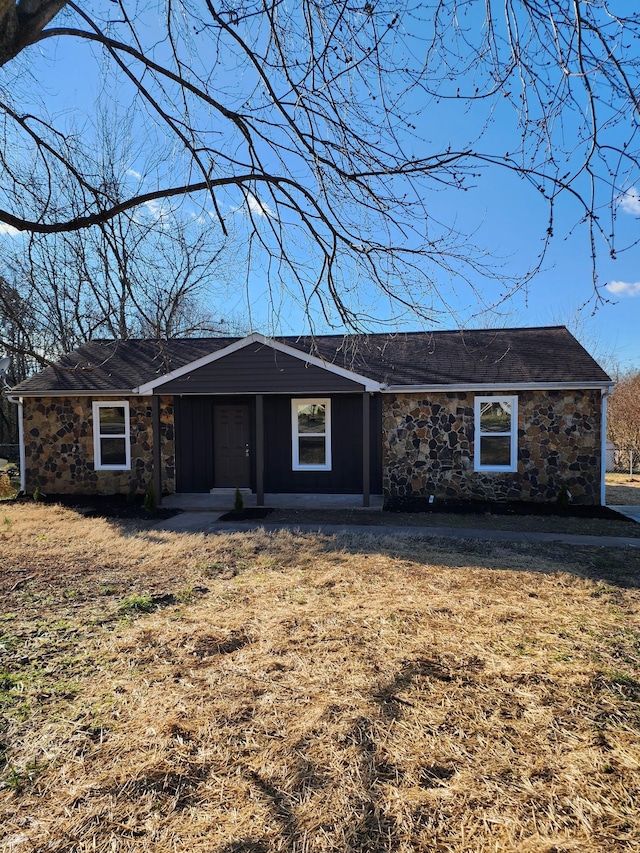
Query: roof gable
point(258, 365)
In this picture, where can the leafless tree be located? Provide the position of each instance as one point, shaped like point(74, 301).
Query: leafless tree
point(326, 123)
point(624, 417)
point(148, 273)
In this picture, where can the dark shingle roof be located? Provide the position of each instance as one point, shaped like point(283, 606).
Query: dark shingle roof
point(501, 356)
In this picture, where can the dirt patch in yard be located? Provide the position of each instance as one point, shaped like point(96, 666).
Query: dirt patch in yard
point(609, 524)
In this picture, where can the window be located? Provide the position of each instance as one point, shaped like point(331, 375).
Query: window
point(111, 444)
point(311, 434)
point(496, 433)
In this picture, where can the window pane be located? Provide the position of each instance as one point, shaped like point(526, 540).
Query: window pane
point(112, 420)
point(113, 451)
point(495, 450)
point(311, 451)
point(495, 417)
point(312, 418)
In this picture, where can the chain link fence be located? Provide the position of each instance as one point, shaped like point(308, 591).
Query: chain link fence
point(623, 460)
point(9, 453)
point(9, 468)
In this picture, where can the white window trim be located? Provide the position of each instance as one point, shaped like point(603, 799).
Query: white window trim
point(513, 433)
point(295, 446)
point(97, 460)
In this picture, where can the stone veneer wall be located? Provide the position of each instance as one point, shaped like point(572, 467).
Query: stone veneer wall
point(428, 448)
point(58, 433)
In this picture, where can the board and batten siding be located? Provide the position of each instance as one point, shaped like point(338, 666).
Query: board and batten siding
point(195, 445)
point(258, 369)
point(345, 476)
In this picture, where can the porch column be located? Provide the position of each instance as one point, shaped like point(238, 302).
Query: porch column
point(259, 450)
point(366, 451)
point(157, 448)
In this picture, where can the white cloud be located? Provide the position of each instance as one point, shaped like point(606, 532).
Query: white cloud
point(630, 201)
point(624, 288)
point(156, 207)
point(8, 229)
point(259, 207)
point(160, 210)
point(133, 174)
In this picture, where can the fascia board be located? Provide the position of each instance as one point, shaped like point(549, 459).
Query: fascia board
point(505, 386)
point(149, 387)
point(143, 390)
point(73, 392)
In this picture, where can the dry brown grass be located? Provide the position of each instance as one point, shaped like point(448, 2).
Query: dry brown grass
point(622, 490)
point(6, 488)
point(306, 693)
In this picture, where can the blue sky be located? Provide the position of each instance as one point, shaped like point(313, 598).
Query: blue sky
point(505, 217)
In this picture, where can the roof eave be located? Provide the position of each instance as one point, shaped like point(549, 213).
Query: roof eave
point(497, 386)
point(74, 392)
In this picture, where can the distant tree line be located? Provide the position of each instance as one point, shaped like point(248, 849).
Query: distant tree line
point(623, 425)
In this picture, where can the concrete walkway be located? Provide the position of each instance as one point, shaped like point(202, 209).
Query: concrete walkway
point(632, 512)
point(207, 522)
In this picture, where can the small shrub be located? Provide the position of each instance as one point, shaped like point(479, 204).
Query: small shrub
point(150, 502)
point(238, 501)
point(564, 498)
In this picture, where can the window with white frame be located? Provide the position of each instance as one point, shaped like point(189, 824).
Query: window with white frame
point(496, 433)
point(111, 436)
point(311, 434)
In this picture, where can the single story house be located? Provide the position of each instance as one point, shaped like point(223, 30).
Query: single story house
point(505, 414)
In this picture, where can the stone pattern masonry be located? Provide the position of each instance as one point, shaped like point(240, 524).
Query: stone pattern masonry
point(428, 448)
point(58, 434)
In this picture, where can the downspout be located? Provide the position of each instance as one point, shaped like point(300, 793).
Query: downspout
point(17, 401)
point(603, 444)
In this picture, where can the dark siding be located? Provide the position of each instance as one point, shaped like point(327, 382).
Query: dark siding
point(375, 432)
point(258, 369)
point(195, 436)
point(345, 476)
point(194, 444)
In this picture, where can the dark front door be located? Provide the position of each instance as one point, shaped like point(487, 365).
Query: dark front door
point(231, 446)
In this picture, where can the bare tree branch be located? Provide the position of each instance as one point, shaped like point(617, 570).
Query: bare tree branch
point(22, 23)
point(332, 131)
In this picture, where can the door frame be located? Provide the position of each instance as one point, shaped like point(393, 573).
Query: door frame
point(249, 406)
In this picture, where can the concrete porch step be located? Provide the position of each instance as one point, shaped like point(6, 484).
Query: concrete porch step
point(223, 501)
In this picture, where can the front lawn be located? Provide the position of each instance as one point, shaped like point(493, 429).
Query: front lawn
point(281, 692)
point(622, 490)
